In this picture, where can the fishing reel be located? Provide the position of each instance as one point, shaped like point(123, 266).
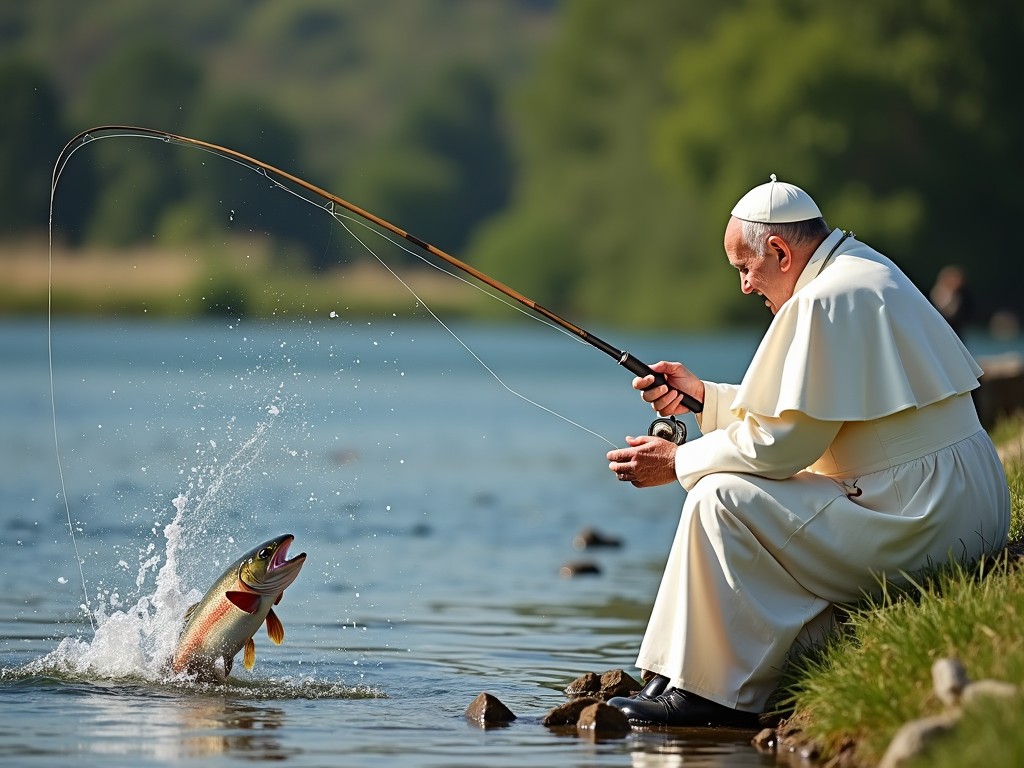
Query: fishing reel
point(668, 428)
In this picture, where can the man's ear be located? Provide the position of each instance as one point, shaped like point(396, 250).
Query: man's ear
point(782, 251)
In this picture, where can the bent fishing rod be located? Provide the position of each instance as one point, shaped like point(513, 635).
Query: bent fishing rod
point(668, 428)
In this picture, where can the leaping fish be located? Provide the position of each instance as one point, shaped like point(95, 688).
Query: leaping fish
point(225, 620)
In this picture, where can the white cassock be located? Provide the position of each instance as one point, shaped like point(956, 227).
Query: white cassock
point(852, 449)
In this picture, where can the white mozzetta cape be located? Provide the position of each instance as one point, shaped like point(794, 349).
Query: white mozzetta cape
point(856, 341)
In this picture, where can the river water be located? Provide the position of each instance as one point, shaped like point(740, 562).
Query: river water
point(436, 508)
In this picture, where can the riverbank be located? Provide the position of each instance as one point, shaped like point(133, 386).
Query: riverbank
point(240, 277)
point(849, 700)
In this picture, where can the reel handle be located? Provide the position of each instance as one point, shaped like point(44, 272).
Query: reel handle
point(640, 368)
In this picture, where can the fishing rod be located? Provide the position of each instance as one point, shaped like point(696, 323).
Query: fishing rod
point(668, 428)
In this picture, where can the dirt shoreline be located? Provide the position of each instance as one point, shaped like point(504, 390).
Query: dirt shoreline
point(160, 281)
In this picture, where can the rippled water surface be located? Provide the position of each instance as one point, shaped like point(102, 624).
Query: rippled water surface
point(435, 507)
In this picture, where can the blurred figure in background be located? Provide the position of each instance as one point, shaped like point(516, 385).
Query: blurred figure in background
point(952, 298)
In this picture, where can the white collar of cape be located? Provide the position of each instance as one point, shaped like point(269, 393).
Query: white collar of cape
point(899, 355)
point(817, 261)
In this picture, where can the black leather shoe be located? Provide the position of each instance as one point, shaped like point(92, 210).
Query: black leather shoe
point(676, 708)
point(654, 688)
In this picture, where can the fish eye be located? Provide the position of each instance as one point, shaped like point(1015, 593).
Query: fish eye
point(265, 553)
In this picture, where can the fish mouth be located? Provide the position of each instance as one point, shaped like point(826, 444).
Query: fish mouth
point(280, 571)
point(280, 557)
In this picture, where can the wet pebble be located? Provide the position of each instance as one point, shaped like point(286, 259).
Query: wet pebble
point(603, 719)
point(585, 684)
point(582, 568)
point(590, 538)
point(614, 682)
point(487, 710)
point(569, 712)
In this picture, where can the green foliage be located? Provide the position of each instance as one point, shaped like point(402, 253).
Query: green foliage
point(146, 83)
point(445, 166)
point(589, 180)
point(316, 87)
point(877, 675)
point(990, 733)
point(882, 115)
point(30, 137)
point(531, 256)
point(642, 130)
point(615, 165)
point(223, 196)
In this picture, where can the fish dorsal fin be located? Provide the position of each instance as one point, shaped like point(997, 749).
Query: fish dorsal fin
point(247, 601)
point(275, 629)
point(249, 656)
point(190, 613)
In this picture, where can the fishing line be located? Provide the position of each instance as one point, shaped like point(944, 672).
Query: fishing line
point(344, 220)
point(341, 218)
point(675, 432)
point(53, 405)
point(456, 336)
point(622, 357)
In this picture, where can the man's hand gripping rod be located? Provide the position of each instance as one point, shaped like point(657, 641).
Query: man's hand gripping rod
point(668, 427)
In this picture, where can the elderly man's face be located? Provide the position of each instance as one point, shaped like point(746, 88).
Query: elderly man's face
point(771, 277)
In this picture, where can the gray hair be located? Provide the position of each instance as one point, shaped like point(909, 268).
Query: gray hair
point(796, 233)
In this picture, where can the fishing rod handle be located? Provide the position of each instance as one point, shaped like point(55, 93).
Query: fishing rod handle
point(640, 368)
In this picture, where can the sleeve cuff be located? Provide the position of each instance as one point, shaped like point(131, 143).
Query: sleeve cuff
point(707, 420)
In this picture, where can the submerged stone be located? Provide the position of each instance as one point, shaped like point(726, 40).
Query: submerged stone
point(569, 712)
point(488, 710)
point(765, 741)
point(591, 537)
point(581, 568)
point(603, 719)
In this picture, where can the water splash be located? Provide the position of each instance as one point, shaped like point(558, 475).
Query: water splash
point(133, 644)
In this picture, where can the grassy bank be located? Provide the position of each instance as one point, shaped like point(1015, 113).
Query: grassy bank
point(852, 697)
point(240, 277)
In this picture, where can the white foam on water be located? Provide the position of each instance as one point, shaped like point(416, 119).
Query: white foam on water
point(136, 642)
point(133, 642)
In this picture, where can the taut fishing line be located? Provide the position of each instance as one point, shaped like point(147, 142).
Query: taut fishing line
point(338, 217)
point(343, 219)
point(276, 176)
point(53, 407)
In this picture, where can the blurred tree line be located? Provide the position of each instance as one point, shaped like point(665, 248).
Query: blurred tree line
point(394, 104)
point(593, 171)
point(641, 130)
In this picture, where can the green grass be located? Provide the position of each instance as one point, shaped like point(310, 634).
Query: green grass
point(876, 674)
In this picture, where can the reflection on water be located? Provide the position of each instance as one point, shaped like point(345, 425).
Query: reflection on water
point(181, 728)
point(705, 748)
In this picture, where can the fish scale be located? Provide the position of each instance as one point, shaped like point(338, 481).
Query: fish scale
point(234, 608)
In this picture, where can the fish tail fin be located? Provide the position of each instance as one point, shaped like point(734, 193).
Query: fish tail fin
point(275, 629)
point(249, 659)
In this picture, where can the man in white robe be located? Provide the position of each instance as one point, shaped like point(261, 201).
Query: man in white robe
point(851, 451)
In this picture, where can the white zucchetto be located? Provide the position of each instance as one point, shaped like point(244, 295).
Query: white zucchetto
point(776, 202)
